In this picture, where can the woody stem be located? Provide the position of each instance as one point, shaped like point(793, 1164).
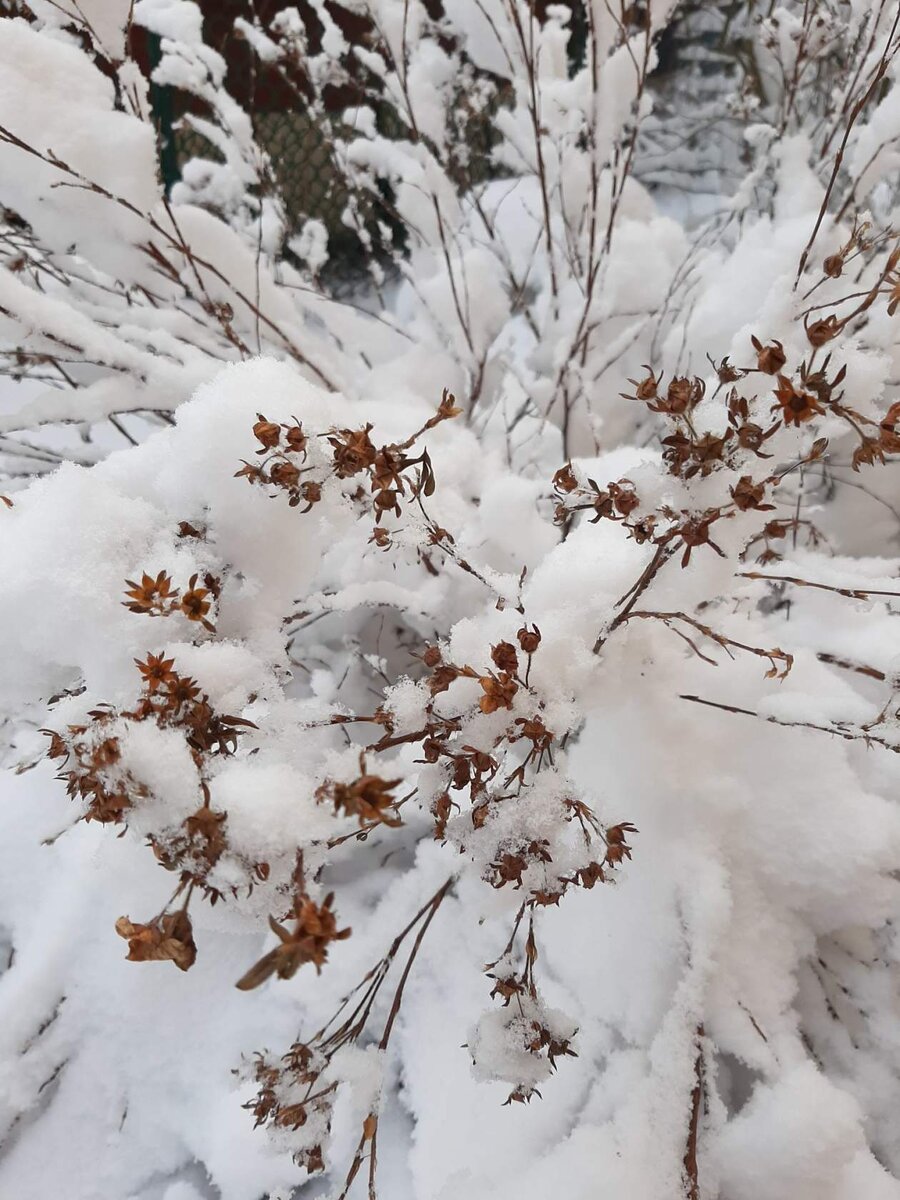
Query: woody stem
point(664, 552)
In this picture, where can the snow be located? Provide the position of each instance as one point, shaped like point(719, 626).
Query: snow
point(609, 811)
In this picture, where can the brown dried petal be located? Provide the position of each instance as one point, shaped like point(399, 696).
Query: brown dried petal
point(167, 939)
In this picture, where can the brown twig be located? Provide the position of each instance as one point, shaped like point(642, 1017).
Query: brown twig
point(846, 734)
point(852, 593)
point(691, 1169)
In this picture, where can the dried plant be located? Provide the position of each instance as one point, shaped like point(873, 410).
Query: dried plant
point(616, 606)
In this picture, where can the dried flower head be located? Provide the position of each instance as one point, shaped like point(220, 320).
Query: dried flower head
point(315, 930)
point(797, 406)
point(167, 938)
point(769, 359)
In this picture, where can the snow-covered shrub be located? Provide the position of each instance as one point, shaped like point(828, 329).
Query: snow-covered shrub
point(512, 272)
point(488, 692)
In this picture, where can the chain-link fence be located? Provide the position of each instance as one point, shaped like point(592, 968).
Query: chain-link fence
point(309, 182)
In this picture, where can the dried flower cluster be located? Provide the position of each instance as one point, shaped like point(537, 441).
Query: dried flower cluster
point(96, 772)
point(288, 465)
